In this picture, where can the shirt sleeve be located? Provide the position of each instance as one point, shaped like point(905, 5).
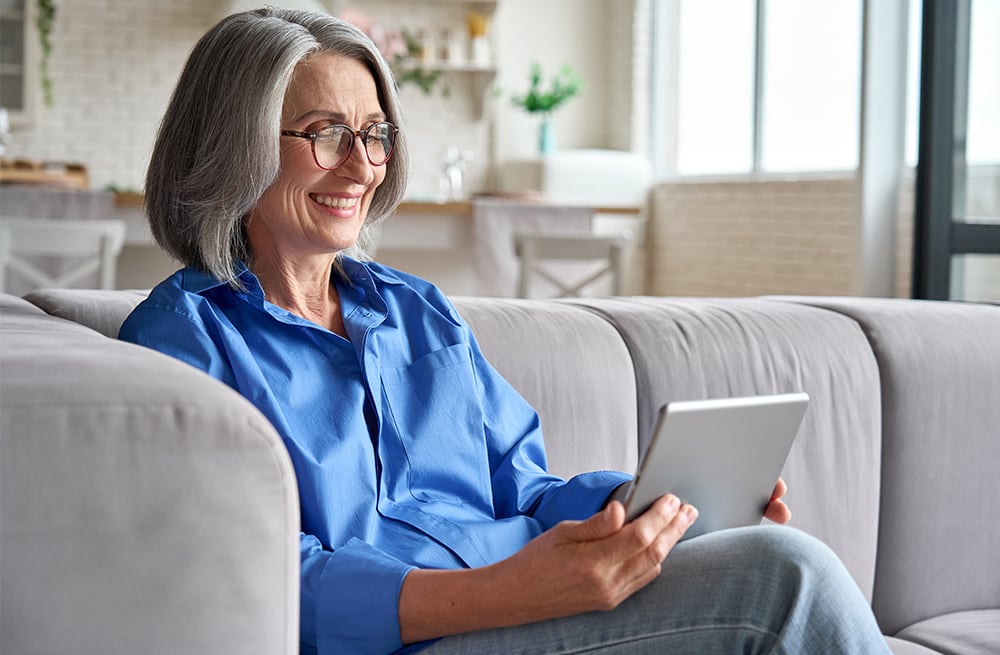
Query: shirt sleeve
point(180, 333)
point(349, 598)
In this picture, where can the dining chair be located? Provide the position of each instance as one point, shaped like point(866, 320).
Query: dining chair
point(27, 246)
point(539, 253)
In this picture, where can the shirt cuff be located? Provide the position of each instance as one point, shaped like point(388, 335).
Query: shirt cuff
point(358, 607)
point(579, 498)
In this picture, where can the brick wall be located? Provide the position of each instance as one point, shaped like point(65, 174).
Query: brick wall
point(113, 66)
point(115, 63)
point(742, 238)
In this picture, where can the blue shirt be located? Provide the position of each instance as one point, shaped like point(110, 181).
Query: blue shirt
point(410, 450)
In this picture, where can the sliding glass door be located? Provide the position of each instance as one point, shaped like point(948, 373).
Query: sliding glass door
point(957, 223)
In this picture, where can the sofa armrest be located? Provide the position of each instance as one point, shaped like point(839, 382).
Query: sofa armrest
point(145, 506)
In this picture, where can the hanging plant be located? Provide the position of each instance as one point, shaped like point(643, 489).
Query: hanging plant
point(44, 21)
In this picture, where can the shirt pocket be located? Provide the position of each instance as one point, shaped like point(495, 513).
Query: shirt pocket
point(436, 410)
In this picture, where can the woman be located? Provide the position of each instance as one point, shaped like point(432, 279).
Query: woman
point(426, 507)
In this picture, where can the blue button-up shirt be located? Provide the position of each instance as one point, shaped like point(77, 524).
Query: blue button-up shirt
point(410, 450)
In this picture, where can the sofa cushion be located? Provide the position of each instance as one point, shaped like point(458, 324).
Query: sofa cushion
point(903, 647)
point(98, 309)
point(975, 632)
point(575, 370)
point(692, 349)
point(145, 506)
point(940, 377)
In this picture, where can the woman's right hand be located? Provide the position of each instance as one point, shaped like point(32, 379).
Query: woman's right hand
point(575, 567)
point(580, 566)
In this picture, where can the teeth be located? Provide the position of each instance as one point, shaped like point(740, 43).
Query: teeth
point(336, 203)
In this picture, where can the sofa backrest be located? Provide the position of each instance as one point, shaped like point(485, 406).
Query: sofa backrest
point(939, 543)
point(690, 349)
point(98, 309)
point(575, 370)
point(552, 353)
point(136, 492)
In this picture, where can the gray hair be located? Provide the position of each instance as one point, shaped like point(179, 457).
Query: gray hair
point(217, 149)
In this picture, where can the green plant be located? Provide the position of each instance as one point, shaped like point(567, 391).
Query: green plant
point(44, 21)
point(409, 72)
point(563, 86)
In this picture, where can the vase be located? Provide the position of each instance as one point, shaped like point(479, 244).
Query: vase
point(546, 137)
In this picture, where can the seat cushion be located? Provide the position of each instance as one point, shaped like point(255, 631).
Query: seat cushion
point(975, 632)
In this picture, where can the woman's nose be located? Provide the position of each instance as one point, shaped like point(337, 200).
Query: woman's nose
point(357, 167)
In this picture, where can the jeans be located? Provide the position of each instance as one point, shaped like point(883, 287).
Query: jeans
point(751, 590)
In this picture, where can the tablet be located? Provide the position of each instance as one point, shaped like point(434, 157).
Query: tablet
point(722, 456)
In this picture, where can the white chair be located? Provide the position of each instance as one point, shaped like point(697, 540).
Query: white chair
point(24, 242)
point(535, 250)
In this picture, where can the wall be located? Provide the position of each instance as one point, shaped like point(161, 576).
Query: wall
point(716, 237)
point(115, 62)
point(113, 65)
point(554, 33)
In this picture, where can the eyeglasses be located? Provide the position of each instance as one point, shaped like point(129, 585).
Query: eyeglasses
point(333, 145)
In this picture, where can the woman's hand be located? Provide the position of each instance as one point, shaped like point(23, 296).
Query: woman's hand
point(776, 509)
point(598, 563)
point(577, 566)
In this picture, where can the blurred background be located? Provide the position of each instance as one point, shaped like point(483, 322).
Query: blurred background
point(742, 147)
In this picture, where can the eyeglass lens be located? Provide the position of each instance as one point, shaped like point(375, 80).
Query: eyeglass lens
point(333, 144)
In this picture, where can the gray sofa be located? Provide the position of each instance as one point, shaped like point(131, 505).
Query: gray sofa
point(147, 508)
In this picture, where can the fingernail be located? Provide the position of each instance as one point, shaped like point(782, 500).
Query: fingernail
point(674, 503)
point(690, 513)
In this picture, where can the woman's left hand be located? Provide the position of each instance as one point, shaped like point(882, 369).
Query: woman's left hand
point(777, 510)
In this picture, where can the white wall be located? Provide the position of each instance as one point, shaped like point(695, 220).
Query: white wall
point(553, 33)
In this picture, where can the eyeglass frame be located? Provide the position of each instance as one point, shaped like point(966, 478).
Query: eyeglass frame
point(355, 134)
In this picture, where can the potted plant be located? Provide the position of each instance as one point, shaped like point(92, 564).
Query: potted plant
point(563, 86)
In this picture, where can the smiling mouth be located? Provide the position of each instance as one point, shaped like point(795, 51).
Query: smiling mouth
point(335, 202)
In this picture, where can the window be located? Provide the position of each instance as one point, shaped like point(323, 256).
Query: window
point(810, 85)
point(758, 85)
point(17, 59)
point(715, 86)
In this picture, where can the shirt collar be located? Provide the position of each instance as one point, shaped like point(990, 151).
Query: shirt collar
point(197, 281)
point(358, 274)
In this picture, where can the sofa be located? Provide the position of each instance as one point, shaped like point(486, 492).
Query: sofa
point(148, 508)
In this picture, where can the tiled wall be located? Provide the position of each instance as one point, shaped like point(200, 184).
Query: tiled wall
point(115, 63)
point(739, 238)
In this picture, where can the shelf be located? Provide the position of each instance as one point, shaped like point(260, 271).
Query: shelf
point(481, 77)
point(446, 67)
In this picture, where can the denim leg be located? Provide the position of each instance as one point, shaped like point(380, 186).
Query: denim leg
point(751, 590)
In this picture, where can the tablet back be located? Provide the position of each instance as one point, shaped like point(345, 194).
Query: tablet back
point(722, 456)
